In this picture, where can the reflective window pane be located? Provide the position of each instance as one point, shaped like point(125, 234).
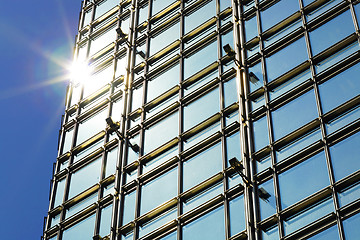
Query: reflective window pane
point(210, 226)
point(345, 156)
point(331, 32)
point(295, 110)
point(81, 231)
point(291, 181)
point(202, 166)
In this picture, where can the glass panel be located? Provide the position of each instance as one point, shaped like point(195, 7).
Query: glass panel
point(158, 191)
point(160, 159)
point(117, 110)
point(330, 233)
point(298, 145)
point(200, 82)
point(256, 70)
point(233, 117)
point(159, 5)
point(290, 84)
point(202, 197)
point(197, 18)
point(309, 215)
point(163, 82)
point(55, 220)
point(291, 181)
point(322, 9)
point(270, 234)
point(286, 59)
point(210, 226)
point(98, 80)
point(75, 94)
point(85, 177)
point(344, 86)
point(137, 94)
point(161, 132)
point(109, 189)
point(283, 33)
point(230, 92)
point(171, 236)
point(349, 194)
point(88, 150)
point(104, 7)
point(263, 164)
point(343, 120)
point(157, 222)
point(345, 156)
point(87, 17)
point(233, 146)
point(81, 231)
point(203, 57)
point(260, 133)
point(298, 113)
point(60, 186)
point(143, 13)
point(351, 227)
point(129, 208)
point(251, 30)
point(278, 12)
point(192, 141)
point(202, 166)
point(337, 57)
point(121, 64)
point(102, 40)
point(81, 205)
point(237, 215)
point(331, 32)
point(267, 205)
point(111, 159)
point(68, 140)
point(227, 38)
point(224, 4)
point(164, 38)
point(105, 222)
point(91, 126)
point(209, 105)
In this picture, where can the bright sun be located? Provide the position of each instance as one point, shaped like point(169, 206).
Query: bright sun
point(79, 72)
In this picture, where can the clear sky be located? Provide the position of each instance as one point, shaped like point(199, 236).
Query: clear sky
point(36, 43)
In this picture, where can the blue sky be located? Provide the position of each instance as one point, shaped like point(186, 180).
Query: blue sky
point(36, 43)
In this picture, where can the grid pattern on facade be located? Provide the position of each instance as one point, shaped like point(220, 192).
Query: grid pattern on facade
point(285, 103)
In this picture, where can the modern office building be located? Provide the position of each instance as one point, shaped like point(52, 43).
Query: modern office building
point(229, 120)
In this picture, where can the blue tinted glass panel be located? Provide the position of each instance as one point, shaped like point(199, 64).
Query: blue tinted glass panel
point(202, 166)
point(210, 226)
point(344, 86)
point(60, 186)
point(200, 109)
point(197, 18)
point(295, 110)
point(331, 32)
point(278, 12)
point(158, 222)
point(270, 234)
point(351, 227)
point(105, 221)
point(343, 120)
point(237, 215)
point(81, 231)
point(85, 177)
point(349, 195)
point(129, 207)
point(330, 233)
point(201, 198)
point(267, 206)
point(345, 156)
point(261, 135)
point(251, 30)
point(308, 216)
point(161, 132)
point(158, 191)
point(286, 59)
point(291, 181)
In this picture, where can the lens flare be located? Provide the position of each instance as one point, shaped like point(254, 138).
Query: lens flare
point(79, 72)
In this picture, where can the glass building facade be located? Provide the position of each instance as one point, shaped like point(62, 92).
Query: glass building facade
point(192, 84)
